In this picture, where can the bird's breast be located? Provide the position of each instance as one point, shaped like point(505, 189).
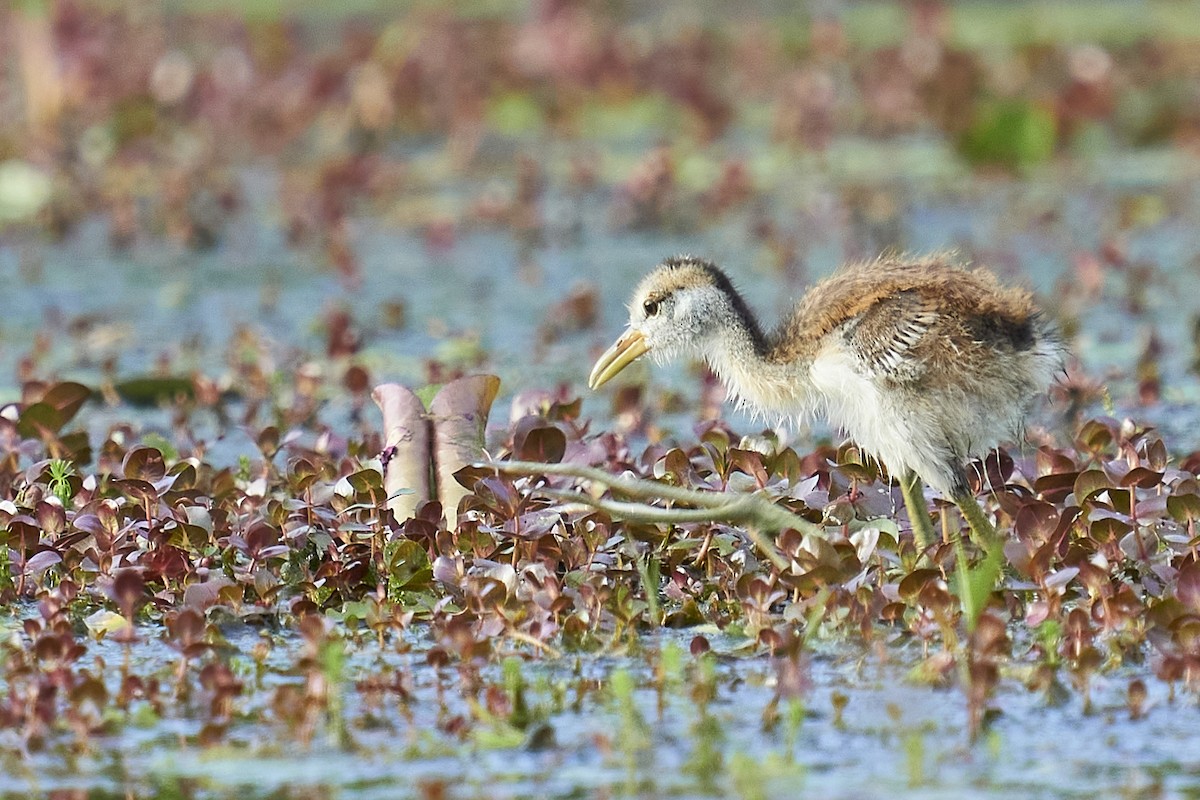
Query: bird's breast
point(849, 399)
point(878, 418)
point(768, 390)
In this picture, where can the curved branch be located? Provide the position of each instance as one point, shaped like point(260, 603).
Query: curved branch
point(734, 511)
point(754, 511)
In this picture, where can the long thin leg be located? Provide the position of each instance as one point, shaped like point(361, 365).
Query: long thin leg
point(976, 582)
point(918, 510)
point(981, 526)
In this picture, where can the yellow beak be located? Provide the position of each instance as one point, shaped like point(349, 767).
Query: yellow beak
point(629, 348)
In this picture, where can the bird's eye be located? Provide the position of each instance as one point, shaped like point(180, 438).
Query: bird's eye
point(650, 307)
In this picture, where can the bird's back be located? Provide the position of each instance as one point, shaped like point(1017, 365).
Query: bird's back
point(938, 310)
point(923, 362)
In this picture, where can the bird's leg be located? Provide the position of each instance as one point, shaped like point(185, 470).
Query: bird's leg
point(918, 511)
point(981, 527)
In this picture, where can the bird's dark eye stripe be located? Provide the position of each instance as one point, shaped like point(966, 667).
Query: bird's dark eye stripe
point(650, 307)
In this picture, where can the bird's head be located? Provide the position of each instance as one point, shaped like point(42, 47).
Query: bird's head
point(679, 308)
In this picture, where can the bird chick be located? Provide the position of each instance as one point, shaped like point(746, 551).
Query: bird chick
point(924, 363)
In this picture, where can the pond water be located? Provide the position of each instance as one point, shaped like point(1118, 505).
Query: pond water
point(867, 731)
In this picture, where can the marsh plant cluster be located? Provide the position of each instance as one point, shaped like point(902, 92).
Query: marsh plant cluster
point(113, 544)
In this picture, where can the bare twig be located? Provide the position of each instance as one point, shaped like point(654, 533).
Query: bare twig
point(755, 512)
point(733, 511)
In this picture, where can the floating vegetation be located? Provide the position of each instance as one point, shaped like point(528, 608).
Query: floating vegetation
point(336, 605)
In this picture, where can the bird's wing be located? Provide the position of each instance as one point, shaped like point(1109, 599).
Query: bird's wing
point(885, 335)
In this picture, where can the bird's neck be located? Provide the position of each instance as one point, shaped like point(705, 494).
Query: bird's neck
point(741, 356)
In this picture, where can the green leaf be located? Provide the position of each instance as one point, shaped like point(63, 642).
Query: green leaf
point(67, 398)
point(365, 480)
point(1013, 134)
point(976, 583)
point(498, 736)
point(39, 420)
point(408, 567)
point(155, 391)
point(1183, 507)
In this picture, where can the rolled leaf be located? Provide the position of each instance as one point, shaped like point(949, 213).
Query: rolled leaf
point(407, 435)
point(460, 414)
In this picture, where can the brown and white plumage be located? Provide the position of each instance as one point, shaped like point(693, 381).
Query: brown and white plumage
point(922, 362)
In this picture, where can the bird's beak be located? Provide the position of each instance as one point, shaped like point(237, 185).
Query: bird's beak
point(630, 347)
